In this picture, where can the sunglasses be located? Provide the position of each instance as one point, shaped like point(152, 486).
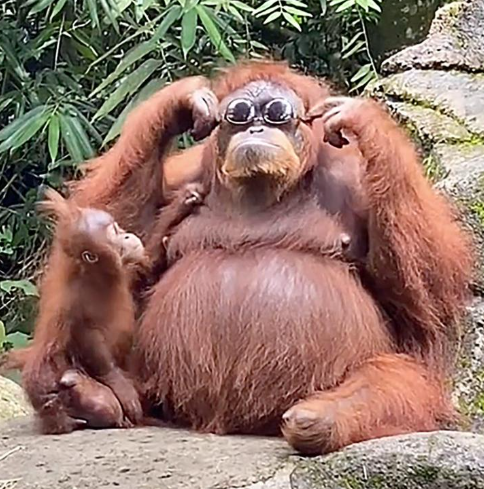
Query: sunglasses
point(243, 111)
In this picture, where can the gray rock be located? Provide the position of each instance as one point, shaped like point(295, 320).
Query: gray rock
point(458, 95)
point(12, 400)
point(428, 125)
point(158, 458)
point(446, 122)
point(443, 460)
point(455, 41)
point(149, 458)
point(462, 168)
point(444, 113)
point(460, 171)
point(402, 23)
point(468, 386)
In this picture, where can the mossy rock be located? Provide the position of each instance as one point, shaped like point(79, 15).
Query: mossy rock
point(443, 460)
point(468, 388)
point(436, 91)
point(428, 125)
point(455, 94)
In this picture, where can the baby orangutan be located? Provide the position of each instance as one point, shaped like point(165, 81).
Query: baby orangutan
point(75, 371)
point(88, 322)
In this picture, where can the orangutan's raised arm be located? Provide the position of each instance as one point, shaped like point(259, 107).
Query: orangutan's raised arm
point(126, 180)
point(419, 259)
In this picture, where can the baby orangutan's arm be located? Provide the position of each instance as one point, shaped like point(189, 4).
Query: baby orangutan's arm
point(185, 201)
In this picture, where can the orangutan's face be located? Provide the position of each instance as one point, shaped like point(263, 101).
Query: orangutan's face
point(261, 134)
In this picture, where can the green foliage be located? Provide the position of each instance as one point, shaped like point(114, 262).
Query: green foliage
point(291, 11)
point(71, 70)
point(335, 43)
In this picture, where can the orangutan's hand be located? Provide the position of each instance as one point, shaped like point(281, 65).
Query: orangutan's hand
point(204, 109)
point(345, 115)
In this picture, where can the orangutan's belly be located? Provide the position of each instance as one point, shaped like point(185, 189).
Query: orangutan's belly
point(232, 341)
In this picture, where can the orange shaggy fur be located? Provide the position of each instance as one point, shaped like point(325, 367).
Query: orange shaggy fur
point(250, 322)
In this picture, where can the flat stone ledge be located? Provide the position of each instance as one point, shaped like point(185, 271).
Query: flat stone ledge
point(429, 125)
point(155, 458)
point(145, 458)
point(463, 166)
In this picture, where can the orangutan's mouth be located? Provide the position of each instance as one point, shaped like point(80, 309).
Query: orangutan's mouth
point(253, 156)
point(256, 143)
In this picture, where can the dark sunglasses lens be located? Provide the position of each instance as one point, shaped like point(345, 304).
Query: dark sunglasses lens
point(239, 112)
point(278, 111)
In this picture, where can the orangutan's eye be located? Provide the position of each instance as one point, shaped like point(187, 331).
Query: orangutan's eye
point(278, 111)
point(240, 111)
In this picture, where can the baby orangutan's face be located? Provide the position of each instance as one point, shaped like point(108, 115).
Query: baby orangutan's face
point(102, 225)
point(128, 245)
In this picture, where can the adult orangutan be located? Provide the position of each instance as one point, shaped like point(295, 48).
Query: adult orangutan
point(260, 324)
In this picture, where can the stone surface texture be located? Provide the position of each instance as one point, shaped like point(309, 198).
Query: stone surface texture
point(444, 460)
point(146, 458)
point(12, 400)
point(156, 458)
point(456, 40)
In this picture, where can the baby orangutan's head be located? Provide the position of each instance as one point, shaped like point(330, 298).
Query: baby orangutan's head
point(87, 233)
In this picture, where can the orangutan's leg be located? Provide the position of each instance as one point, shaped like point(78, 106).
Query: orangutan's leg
point(387, 395)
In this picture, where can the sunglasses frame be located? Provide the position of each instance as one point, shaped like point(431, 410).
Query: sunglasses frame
point(252, 115)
